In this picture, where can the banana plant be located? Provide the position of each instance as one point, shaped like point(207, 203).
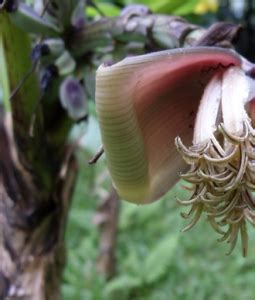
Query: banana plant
point(48, 53)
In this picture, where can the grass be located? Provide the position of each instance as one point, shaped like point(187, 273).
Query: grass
point(155, 260)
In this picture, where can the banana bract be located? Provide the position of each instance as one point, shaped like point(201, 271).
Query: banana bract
point(143, 103)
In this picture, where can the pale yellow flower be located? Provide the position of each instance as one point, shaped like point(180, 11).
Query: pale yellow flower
point(205, 6)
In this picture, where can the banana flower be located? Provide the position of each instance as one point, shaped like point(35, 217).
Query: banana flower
point(189, 111)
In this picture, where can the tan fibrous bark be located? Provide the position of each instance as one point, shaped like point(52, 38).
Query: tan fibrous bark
point(32, 222)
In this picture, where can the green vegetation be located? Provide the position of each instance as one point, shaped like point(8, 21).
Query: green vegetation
point(155, 260)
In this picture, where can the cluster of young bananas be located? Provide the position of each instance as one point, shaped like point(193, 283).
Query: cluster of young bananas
point(48, 23)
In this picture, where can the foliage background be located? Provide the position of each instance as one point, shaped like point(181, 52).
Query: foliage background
point(155, 260)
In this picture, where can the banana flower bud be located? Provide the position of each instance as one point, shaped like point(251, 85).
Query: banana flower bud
point(161, 112)
point(145, 102)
